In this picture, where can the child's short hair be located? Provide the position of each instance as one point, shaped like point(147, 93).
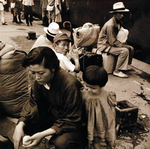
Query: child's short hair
point(95, 75)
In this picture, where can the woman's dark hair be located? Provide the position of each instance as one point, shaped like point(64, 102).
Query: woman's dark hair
point(95, 75)
point(39, 55)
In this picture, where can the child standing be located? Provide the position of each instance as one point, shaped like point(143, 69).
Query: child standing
point(99, 107)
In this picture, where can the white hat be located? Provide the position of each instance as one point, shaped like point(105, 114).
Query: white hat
point(119, 7)
point(52, 29)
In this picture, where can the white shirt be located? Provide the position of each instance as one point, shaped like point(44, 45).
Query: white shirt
point(2, 3)
point(28, 2)
point(65, 63)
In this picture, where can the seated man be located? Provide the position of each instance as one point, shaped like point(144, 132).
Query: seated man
point(55, 105)
point(107, 41)
point(47, 40)
point(61, 46)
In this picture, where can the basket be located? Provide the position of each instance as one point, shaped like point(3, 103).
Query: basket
point(126, 113)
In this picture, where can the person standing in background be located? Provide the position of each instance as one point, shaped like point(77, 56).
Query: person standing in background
point(2, 3)
point(17, 11)
point(28, 10)
point(51, 11)
point(43, 4)
point(55, 10)
point(58, 11)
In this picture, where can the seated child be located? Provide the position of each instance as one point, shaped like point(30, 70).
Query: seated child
point(61, 46)
point(98, 107)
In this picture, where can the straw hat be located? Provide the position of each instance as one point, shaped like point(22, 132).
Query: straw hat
point(52, 29)
point(119, 7)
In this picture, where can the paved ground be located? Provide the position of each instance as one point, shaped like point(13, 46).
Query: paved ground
point(135, 89)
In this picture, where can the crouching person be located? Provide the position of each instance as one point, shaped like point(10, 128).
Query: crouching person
point(55, 105)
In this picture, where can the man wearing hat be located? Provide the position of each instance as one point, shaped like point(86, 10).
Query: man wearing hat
point(61, 47)
point(47, 40)
point(108, 42)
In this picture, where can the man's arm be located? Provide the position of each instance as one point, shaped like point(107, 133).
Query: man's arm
point(112, 38)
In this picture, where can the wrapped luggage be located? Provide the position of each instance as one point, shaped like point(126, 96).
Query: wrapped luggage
point(13, 83)
point(86, 35)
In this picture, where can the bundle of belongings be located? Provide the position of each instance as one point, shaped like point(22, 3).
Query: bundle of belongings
point(13, 81)
point(86, 37)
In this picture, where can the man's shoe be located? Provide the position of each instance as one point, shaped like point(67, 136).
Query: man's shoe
point(4, 23)
point(120, 74)
point(31, 23)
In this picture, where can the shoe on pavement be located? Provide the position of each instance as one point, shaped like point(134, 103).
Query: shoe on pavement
point(120, 74)
point(4, 23)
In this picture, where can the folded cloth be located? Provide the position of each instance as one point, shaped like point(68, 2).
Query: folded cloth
point(122, 35)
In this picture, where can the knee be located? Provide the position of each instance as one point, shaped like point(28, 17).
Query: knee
point(125, 52)
point(61, 142)
point(132, 50)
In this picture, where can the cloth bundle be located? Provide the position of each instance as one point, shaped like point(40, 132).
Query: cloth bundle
point(122, 35)
point(13, 83)
point(87, 35)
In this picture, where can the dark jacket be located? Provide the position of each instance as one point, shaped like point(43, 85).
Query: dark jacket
point(61, 105)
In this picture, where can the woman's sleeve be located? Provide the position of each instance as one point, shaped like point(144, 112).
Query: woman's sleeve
point(71, 119)
point(30, 110)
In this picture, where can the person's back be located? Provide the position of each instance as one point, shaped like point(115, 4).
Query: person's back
point(42, 41)
point(47, 40)
point(99, 107)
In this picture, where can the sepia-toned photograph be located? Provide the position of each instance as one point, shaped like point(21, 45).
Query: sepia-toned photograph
point(74, 74)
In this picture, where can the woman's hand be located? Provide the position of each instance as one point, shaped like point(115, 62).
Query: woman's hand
point(35, 139)
point(18, 134)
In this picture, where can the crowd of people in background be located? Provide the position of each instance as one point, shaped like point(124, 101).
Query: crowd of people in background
point(52, 11)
